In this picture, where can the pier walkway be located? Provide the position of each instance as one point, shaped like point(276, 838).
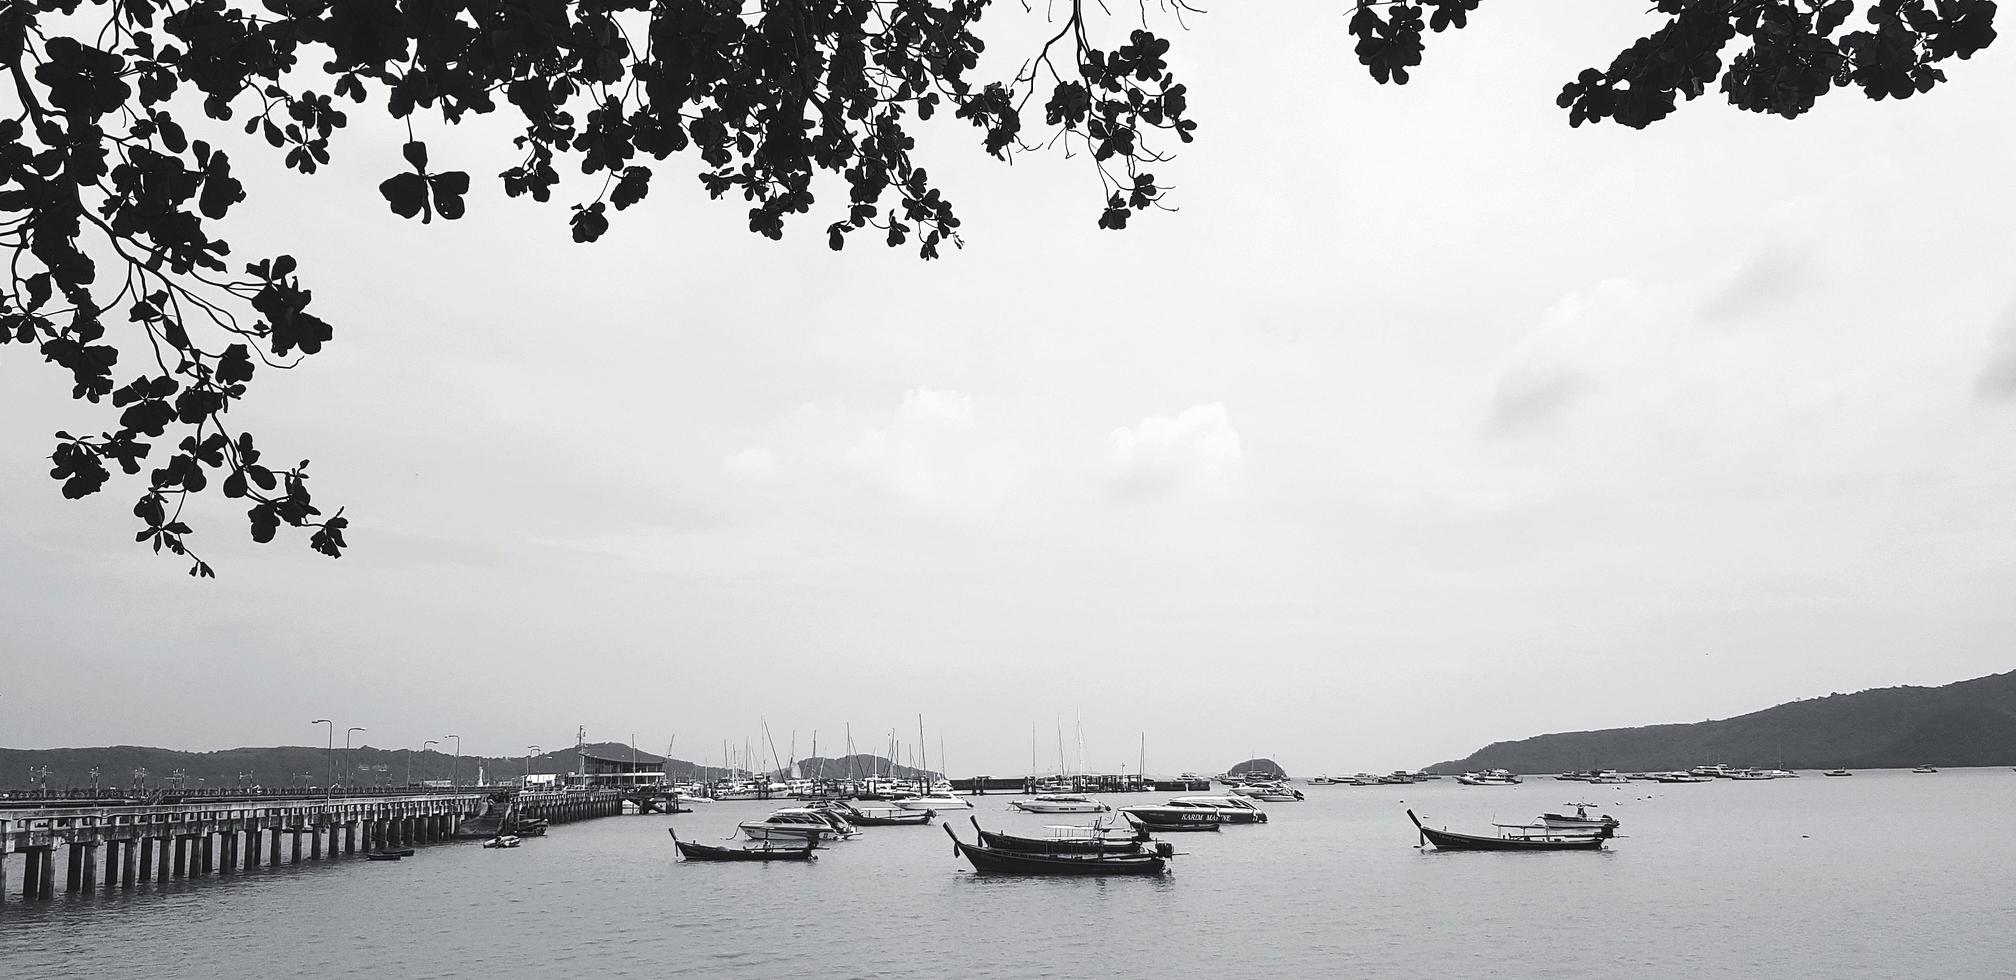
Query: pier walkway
point(121, 845)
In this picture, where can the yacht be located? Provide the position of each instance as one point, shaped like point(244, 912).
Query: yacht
point(1490, 777)
point(1268, 793)
point(739, 790)
point(1230, 809)
point(799, 824)
point(1060, 803)
point(1837, 772)
point(931, 801)
point(1925, 769)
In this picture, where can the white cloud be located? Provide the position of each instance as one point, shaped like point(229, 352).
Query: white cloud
point(1998, 377)
point(1163, 455)
point(937, 406)
point(936, 450)
point(1528, 398)
point(752, 465)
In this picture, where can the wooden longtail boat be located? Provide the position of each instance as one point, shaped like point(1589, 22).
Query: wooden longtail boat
point(991, 859)
point(1536, 839)
point(708, 852)
point(908, 818)
point(1061, 845)
point(879, 816)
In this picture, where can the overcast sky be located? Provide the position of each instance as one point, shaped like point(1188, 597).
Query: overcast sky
point(1427, 422)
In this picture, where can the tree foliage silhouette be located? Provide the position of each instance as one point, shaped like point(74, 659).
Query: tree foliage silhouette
point(113, 174)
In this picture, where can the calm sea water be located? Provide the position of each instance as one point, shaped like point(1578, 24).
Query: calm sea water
point(1885, 874)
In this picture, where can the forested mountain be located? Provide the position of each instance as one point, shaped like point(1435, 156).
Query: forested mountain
point(123, 766)
point(1966, 723)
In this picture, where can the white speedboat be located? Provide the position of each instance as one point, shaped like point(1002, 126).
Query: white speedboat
point(1490, 777)
point(799, 824)
point(934, 801)
point(1268, 793)
point(1060, 803)
point(505, 840)
point(1580, 820)
point(1230, 809)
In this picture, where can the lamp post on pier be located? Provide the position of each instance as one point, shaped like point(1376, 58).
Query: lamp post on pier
point(329, 788)
point(346, 740)
point(409, 761)
point(455, 766)
point(530, 750)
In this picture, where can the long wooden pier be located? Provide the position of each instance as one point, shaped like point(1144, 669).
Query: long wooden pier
point(121, 846)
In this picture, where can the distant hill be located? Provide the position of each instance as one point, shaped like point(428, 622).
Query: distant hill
point(1967, 723)
point(305, 765)
point(1263, 767)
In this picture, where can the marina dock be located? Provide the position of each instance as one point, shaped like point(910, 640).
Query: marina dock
point(117, 845)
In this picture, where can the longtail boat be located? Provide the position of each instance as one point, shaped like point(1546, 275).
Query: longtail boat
point(707, 852)
point(1085, 840)
point(1512, 838)
point(989, 859)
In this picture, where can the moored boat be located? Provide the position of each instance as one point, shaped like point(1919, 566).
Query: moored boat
point(1837, 772)
point(1176, 819)
point(996, 860)
point(1094, 839)
point(503, 841)
point(1511, 837)
point(1268, 793)
point(933, 801)
point(707, 852)
point(1230, 809)
point(1579, 821)
point(1060, 803)
point(876, 816)
point(798, 824)
point(1925, 769)
point(1489, 777)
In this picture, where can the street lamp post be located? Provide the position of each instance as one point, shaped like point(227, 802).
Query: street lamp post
point(455, 765)
point(530, 750)
point(409, 761)
point(346, 742)
point(329, 788)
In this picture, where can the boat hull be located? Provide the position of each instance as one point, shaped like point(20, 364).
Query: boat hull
point(1059, 845)
point(705, 852)
point(1450, 841)
point(1034, 806)
point(772, 832)
point(992, 861)
point(931, 803)
point(1174, 818)
point(917, 818)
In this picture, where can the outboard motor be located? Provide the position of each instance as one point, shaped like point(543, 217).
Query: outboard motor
point(1165, 849)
